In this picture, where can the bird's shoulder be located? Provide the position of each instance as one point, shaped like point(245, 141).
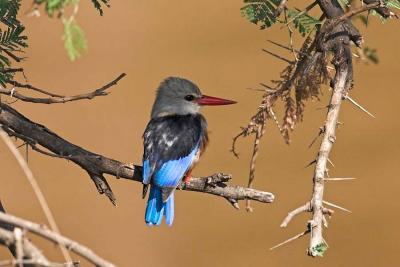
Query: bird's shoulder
point(174, 136)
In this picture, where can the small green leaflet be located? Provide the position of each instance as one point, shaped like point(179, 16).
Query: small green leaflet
point(319, 250)
point(8, 12)
point(53, 5)
point(260, 12)
point(74, 39)
point(304, 23)
point(12, 38)
point(393, 3)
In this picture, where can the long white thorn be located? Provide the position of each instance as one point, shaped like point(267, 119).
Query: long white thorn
point(330, 162)
point(359, 106)
point(339, 179)
point(290, 239)
point(335, 206)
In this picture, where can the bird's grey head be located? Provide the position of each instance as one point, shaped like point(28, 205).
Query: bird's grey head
point(176, 96)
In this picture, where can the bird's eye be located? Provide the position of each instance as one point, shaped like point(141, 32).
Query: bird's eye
point(189, 97)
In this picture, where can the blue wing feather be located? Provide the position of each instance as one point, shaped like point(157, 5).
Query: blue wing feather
point(171, 172)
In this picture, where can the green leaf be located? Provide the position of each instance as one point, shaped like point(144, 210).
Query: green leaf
point(8, 12)
point(74, 39)
point(393, 3)
point(53, 6)
point(319, 250)
point(12, 39)
point(260, 12)
point(304, 23)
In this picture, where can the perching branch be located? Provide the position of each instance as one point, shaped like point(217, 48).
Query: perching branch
point(38, 136)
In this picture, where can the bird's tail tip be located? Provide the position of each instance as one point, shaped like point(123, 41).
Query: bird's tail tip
point(156, 208)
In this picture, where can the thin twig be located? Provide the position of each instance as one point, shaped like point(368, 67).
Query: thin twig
point(44, 232)
point(281, 7)
point(30, 251)
point(36, 188)
point(19, 250)
point(283, 46)
point(33, 88)
point(278, 56)
point(260, 133)
point(61, 99)
point(305, 208)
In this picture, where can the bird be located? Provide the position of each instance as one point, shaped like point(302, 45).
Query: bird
point(173, 141)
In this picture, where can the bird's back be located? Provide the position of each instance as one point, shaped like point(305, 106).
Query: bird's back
point(172, 138)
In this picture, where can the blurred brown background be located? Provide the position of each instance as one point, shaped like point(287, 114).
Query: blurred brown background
point(211, 44)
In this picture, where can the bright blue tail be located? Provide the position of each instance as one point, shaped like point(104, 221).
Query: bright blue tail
point(156, 208)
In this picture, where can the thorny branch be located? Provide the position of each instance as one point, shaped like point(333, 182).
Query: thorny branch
point(302, 80)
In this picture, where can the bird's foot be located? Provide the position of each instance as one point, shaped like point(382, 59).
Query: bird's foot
point(187, 178)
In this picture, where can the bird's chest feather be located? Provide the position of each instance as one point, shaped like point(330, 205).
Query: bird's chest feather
point(172, 138)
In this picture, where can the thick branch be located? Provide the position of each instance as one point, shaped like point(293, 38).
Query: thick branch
point(335, 36)
point(329, 138)
point(97, 165)
point(341, 83)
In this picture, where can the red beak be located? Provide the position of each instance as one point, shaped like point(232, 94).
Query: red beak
point(206, 100)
